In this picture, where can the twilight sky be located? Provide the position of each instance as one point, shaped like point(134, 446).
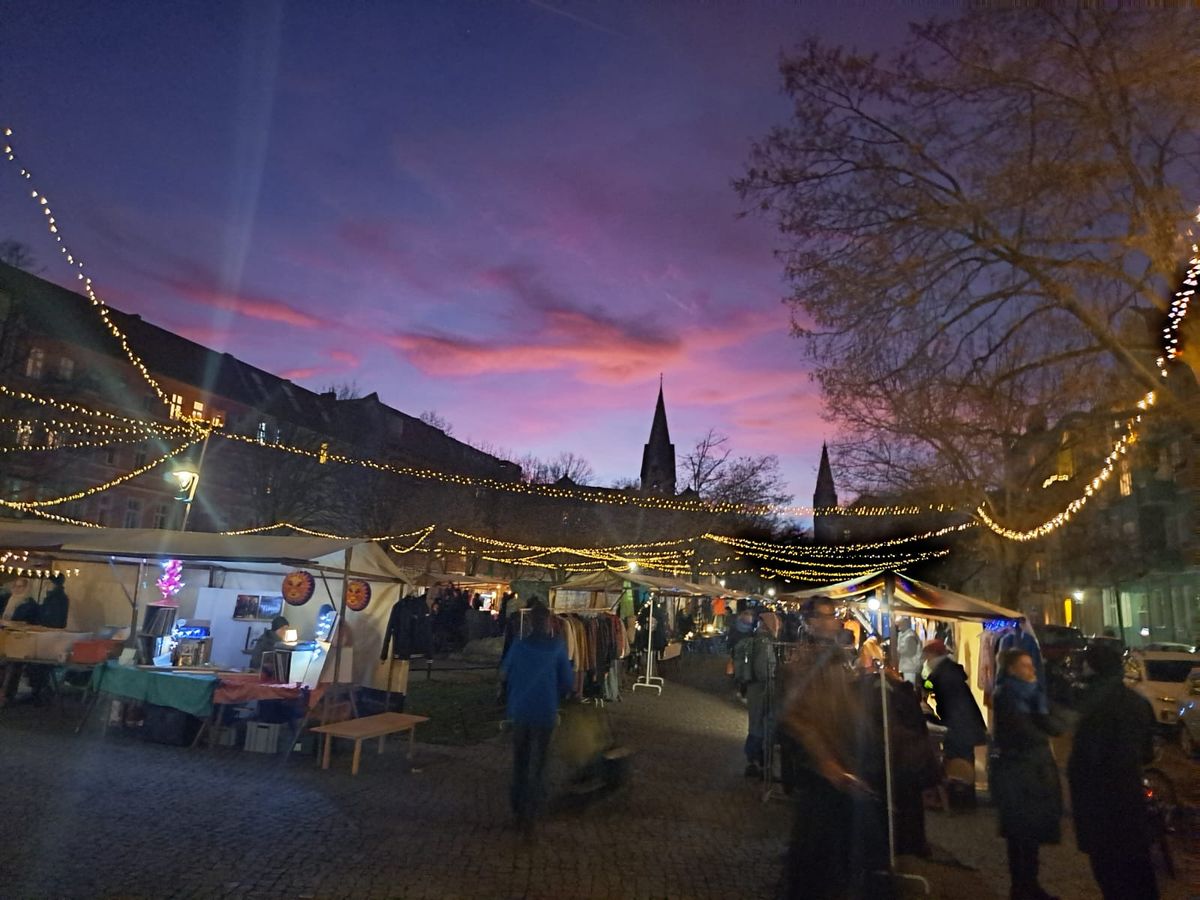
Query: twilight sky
point(514, 213)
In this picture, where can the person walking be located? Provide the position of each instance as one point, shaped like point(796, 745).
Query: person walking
point(1024, 777)
point(754, 669)
point(537, 673)
point(1114, 739)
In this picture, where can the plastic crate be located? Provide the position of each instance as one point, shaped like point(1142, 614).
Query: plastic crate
point(263, 737)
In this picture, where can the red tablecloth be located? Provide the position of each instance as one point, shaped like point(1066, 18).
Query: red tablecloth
point(238, 689)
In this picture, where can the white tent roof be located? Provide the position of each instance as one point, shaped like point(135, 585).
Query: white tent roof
point(912, 596)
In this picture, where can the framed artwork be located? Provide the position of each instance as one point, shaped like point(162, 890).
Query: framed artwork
point(270, 606)
point(246, 607)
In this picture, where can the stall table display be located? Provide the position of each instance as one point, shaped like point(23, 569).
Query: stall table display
point(367, 727)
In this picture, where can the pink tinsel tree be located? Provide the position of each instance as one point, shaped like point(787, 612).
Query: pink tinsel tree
point(171, 580)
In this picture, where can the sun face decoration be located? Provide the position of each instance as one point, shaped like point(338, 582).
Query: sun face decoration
point(358, 594)
point(298, 587)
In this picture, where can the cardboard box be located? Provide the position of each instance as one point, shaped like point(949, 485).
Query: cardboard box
point(20, 644)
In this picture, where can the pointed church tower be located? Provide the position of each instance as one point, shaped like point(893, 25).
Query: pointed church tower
point(825, 527)
point(658, 456)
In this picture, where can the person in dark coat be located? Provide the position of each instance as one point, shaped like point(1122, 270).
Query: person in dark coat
point(56, 604)
point(956, 706)
point(1024, 777)
point(1113, 741)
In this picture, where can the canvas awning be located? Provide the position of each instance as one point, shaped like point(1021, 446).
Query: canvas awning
point(910, 596)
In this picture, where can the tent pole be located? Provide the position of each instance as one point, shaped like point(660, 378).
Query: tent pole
point(337, 648)
point(889, 586)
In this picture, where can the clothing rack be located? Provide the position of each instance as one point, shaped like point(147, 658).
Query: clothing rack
point(649, 679)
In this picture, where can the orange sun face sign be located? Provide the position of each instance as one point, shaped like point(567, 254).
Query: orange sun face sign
point(358, 594)
point(298, 587)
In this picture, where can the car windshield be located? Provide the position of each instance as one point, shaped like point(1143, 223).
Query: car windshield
point(1175, 670)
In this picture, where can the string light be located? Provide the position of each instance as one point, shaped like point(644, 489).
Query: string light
point(98, 304)
point(837, 549)
point(67, 406)
point(96, 489)
point(65, 520)
point(1062, 518)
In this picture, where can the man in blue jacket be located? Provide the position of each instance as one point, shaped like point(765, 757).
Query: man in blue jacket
point(538, 673)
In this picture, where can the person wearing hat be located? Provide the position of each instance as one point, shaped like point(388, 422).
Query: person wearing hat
point(269, 640)
point(956, 706)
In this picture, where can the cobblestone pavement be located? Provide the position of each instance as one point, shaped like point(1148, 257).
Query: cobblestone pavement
point(112, 816)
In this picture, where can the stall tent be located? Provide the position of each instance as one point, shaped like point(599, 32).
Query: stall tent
point(911, 597)
point(112, 575)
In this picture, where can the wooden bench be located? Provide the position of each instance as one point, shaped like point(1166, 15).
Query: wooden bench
point(377, 726)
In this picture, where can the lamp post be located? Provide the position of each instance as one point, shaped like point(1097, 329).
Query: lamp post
point(188, 480)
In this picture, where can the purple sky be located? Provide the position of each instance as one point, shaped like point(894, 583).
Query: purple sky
point(515, 214)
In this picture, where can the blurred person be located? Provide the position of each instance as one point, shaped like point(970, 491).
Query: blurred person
point(269, 640)
point(754, 670)
point(836, 839)
point(1114, 739)
point(56, 604)
point(537, 674)
point(1024, 777)
point(908, 651)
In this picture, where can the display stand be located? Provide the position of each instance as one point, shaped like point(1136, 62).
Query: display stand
point(649, 679)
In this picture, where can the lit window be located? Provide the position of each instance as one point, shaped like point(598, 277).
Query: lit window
point(52, 439)
point(33, 365)
point(133, 513)
point(1126, 479)
point(24, 434)
point(176, 406)
point(218, 418)
point(262, 432)
point(198, 409)
point(66, 368)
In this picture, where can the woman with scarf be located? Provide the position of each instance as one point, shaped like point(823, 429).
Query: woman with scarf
point(1024, 777)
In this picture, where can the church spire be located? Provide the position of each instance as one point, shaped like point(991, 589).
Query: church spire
point(825, 497)
point(658, 456)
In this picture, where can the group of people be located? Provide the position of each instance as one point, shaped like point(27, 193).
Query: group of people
point(51, 612)
point(824, 710)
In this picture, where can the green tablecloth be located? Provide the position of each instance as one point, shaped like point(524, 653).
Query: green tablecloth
point(184, 691)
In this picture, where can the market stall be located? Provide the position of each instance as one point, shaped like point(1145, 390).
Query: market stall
point(220, 592)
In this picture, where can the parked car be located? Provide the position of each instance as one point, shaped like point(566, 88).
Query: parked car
point(1169, 647)
point(1162, 678)
point(1062, 655)
point(1189, 716)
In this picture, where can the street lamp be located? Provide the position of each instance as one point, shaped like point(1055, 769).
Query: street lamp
point(770, 592)
point(187, 481)
point(633, 567)
point(1078, 595)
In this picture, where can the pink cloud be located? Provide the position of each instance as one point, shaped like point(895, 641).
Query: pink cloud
point(267, 309)
point(346, 358)
point(301, 374)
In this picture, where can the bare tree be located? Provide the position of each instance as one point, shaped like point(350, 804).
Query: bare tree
point(18, 255)
point(703, 463)
point(343, 390)
point(977, 228)
point(567, 464)
point(968, 222)
point(432, 418)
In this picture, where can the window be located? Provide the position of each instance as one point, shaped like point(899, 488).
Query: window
point(1126, 478)
point(262, 432)
point(218, 418)
point(52, 438)
point(1065, 461)
point(103, 505)
point(33, 365)
point(198, 409)
point(160, 516)
point(133, 513)
point(66, 368)
point(24, 434)
point(139, 459)
point(176, 410)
